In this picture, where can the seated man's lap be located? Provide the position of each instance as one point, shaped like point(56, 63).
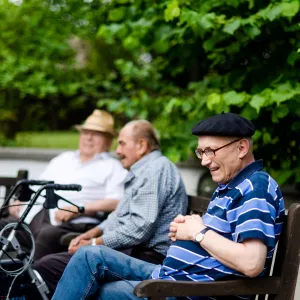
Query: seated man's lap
point(97, 265)
point(112, 264)
point(51, 268)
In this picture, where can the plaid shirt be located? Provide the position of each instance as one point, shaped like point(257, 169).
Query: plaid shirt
point(154, 196)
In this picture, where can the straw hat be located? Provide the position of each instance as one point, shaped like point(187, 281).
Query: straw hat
point(99, 120)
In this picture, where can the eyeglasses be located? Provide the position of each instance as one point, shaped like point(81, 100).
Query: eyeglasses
point(210, 153)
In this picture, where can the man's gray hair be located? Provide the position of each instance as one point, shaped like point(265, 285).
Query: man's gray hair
point(249, 139)
point(144, 129)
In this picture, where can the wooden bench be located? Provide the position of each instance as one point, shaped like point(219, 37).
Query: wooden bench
point(280, 285)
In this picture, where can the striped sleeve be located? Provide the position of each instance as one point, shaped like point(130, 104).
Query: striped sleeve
point(255, 218)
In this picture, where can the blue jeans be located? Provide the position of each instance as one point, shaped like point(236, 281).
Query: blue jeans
point(102, 272)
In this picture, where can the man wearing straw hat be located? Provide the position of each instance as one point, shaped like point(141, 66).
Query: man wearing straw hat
point(102, 179)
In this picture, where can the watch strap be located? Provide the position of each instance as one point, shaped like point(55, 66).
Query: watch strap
point(203, 231)
point(200, 235)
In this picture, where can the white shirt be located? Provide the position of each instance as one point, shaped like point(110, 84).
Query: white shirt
point(101, 178)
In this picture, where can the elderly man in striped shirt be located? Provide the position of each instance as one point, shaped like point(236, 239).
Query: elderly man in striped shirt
point(235, 238)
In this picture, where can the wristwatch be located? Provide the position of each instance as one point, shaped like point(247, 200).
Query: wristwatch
point(200, 235)
point(93, 242)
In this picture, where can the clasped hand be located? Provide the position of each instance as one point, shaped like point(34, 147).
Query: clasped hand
point(79, 241)
point(185, 227)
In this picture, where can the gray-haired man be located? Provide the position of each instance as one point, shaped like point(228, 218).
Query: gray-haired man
point(154, 196)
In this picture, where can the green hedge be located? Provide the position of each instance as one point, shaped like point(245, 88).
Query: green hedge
point(173, 62)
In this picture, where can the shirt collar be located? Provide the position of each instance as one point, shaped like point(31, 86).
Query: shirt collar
point(144, 160)
point(141, 162)
point(102, 155)
point(242, 175)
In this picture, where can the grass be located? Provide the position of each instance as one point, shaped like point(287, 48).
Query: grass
point(50, 139)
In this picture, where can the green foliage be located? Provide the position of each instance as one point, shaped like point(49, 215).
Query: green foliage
point(205, 57)
point(38, 67)
point(173, 62)
point(53, 139)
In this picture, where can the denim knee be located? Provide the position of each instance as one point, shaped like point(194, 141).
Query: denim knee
point(89, 255)
point(85, 252)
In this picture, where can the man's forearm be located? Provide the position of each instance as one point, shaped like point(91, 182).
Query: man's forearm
point(92, 233)
point(105, 205)
point(247, 257)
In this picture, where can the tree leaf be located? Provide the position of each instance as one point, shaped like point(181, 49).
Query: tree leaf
point(293, 58)
point(290, 9)
point(213, 100)
point(252, 31)
point(232, 25)
point(172, 11)
point(117, 14)
point(257, 102)
point(234, 98)
point(273, 11)
point(207, 21)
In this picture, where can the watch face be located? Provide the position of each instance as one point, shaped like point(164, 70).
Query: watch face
point(199, 237)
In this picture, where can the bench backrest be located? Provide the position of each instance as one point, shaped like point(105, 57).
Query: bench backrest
point(197, 204)
point(7, 183)
point(287, 258)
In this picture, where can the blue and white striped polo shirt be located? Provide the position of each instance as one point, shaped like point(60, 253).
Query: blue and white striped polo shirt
point(249, 207)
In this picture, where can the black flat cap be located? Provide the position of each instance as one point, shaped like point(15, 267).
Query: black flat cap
point(224, 124)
